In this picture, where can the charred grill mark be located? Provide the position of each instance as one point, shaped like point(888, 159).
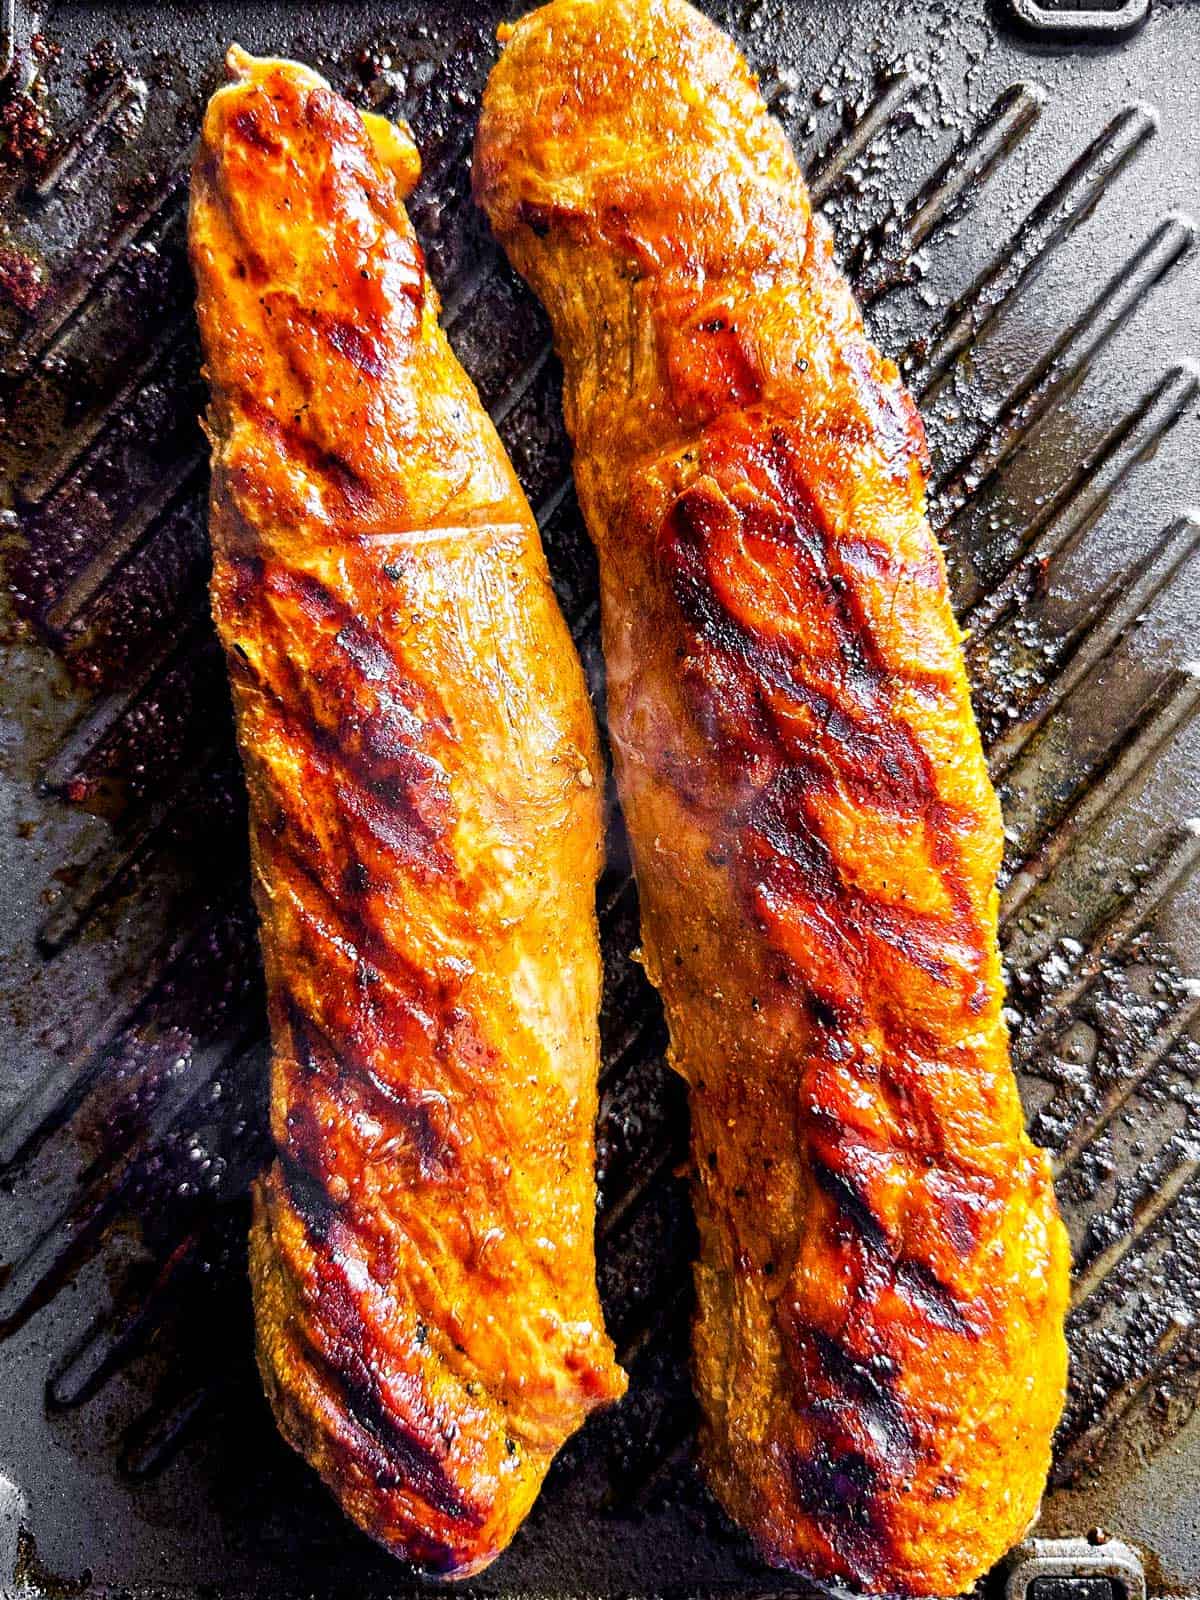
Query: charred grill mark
point(400, 1459)
point(324, 466)
point(392, 814)
point(870, 1385)
point(396, 1446)
point(308, 1198)
point(912, 934)
point(423, 1129)
point(829, 1018)
point(392, 1437)
point(405, 1025)
point(410, 1127)
point(313, 1050)
point(244, 574)
point(799, 865)
point(960, 1211)
point(366, 652)
point(870, 558)
point(304, 1146)
point(248, 125)
point(852, 1204)
point(415, 1121)
point(843, 1493)
point(350, 340)
point(778, 818)
point(820, 725)
point(370, 336)
point(296, 859)
point(420, 1137)
point(541, 217)
point(363, 649)
point(702, 519)
point(353, 709)
point(913, 1279)
point(935, 1301)
point(895, 421)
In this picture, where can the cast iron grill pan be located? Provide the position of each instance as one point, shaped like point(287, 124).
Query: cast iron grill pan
point(1013, 208)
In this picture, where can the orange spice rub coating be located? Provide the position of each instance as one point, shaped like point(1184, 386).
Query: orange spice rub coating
point(425, 830)
point(882, 1281)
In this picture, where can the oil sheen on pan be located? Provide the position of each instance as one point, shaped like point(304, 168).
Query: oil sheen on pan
point(423, 775)
point(882, 1280)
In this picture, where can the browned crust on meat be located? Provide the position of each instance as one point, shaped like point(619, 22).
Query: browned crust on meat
point(882, 1279)
point(425, 831)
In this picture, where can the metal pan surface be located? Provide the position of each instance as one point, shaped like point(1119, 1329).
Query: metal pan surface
point(1014, 207)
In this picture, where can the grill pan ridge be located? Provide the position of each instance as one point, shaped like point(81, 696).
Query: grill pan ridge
point(1014, 210)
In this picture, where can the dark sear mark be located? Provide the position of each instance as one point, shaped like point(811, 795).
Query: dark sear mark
point(309, 1198)
point(337, 476)
point(416, 1123)
point(914, 1279)
point(827, 1363)
point(355, 344)
point(840, 1490)
point(859, 746)
point(355, 707)
point(394, 1449)
point(852, 1205)
point(961, 1217)
point(935, 1301)
point(248, 123)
